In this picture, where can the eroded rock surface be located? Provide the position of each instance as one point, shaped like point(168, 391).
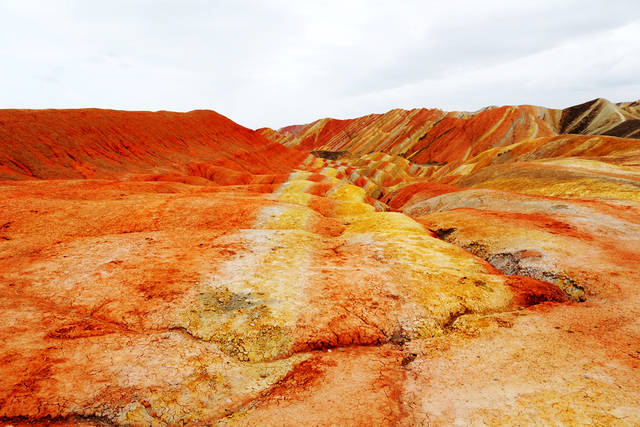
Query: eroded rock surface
point(228, 279)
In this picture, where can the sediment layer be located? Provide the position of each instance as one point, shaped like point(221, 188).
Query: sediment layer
point(168, 268)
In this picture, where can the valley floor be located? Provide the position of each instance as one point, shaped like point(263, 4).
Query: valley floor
point(301, 300)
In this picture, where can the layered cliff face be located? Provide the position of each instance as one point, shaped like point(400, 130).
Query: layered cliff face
point(419, 268)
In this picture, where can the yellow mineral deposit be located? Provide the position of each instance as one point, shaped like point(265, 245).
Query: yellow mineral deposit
point(421, 267)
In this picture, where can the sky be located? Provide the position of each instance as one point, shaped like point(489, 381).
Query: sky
point(279, 62)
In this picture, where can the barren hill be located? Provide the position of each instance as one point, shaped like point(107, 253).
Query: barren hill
point(94, 143)
point(412, 268)
point(423, 135)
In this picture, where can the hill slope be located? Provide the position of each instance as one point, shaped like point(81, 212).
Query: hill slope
point(179, 269)
point(93, 143)
point(435, 136)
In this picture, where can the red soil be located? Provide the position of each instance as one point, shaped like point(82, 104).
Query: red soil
point(92, 143)
point(127, 296)
point(417, 192)
point(455, 138)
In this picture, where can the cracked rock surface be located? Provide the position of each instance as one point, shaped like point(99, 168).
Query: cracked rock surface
point(208, 283)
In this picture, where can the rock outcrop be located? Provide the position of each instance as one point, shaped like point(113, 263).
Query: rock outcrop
point(420, 268)
point(427, 136)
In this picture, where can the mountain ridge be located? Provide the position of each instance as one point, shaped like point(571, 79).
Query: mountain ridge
point(598, 116)
point(100, 143)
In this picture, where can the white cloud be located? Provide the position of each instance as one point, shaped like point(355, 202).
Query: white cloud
point(272, 63)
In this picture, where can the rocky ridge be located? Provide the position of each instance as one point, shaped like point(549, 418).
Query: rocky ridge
point(427, 136)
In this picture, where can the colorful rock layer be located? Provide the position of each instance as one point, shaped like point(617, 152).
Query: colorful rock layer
point(435, 136)
point(179, 269)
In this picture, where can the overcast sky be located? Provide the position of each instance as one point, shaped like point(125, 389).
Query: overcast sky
point(279, 62)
